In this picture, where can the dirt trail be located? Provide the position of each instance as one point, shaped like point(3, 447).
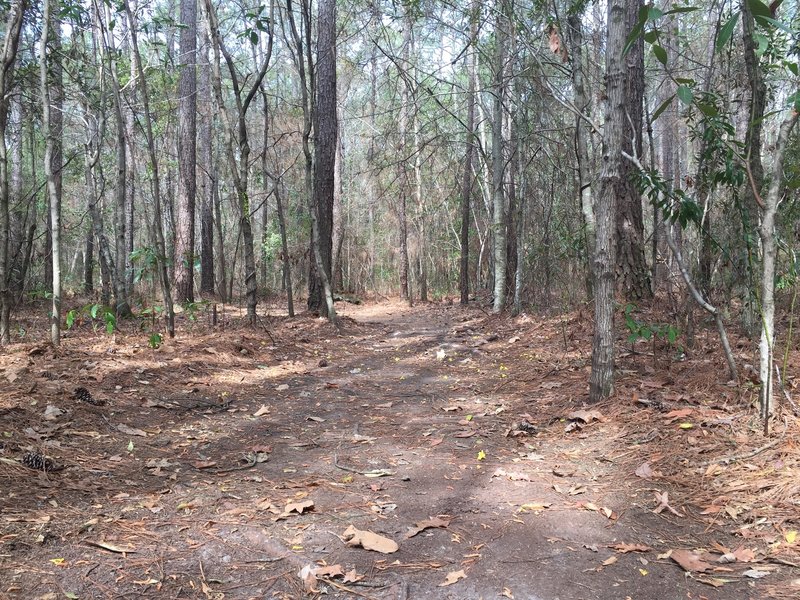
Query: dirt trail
point(430, 397)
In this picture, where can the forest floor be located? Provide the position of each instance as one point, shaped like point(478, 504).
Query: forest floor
point(426, 452)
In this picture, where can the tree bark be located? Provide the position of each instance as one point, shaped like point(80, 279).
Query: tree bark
point(582, 133)
point(325, 129)
point(206, 170)
point(469, 155)
point(51, 155)
point(112, 269)
point(612, 187)
point(239, 166)
point(769, 251)
point(187, 153)
point(498, 160)
point(633, 280)
point(158, 227)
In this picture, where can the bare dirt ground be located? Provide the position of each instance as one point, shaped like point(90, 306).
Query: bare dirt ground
point(240, 463)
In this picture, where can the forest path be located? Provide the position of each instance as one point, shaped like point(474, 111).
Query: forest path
point(198, 480)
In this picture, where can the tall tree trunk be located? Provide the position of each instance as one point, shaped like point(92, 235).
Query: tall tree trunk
point(498, 159)
point(187, 153)
point(325, 132)
point(612, 187)
point(239, 165)
point(158, 226)
point(287, 269)
point(469, 155)
point(633, 280)
point(206, 170)
point(769, 251)
point(582, 133)
point(51, 128)
point(112, 269)
point(7, 60)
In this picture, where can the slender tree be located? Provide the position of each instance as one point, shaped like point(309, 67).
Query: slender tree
point(7, 61)
point(612, 186)
point(498, 157)
point(51, 155)
point(187, 153)
point(155, 181)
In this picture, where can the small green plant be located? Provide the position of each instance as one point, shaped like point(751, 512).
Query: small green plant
point(155, 340)
point(650, 332)
point(191, 309)
point(97, 314)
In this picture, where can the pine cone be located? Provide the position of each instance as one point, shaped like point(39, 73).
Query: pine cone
point(37, 462)
point(82, 394)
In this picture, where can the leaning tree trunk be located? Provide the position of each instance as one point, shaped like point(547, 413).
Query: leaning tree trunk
point(612, 186)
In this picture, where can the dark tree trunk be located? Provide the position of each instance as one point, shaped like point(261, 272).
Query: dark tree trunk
point(325, 121)
point(206, 170)
point(633, 280)
point(469, 157)
point(187, 154)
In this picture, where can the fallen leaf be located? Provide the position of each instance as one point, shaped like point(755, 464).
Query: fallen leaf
point(690, 561)
point(755, 573)
point(351, 576)
point(204, 464)
point(298, 507)
point(264, 410)
point(790, 536)
point(110, 547)
point(315, 419)
point(306, 575)
point(587, 416)
point(481, 455)
point(644, 471)
point(534, 506)
point(329, 571)
point(744, 555)
point(465, 434)
point(609, 561)
point(384, 405)
point(369, 541)
point(674, 415)
point(433, 522)
point(131, 430)
point(506, 593)
point(452, 577)
point(624, 548)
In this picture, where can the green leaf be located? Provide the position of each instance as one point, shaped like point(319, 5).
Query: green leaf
point(654, 13)
point(793, 68)
point(684, 80)
point(70, 319)
point(708, 109)
point(685, 94)
point(664, 106)
point(93, 310)
point(682, 9)
point(726, 32)
point(651, 36)
point(660, 54)
point(759, 9)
